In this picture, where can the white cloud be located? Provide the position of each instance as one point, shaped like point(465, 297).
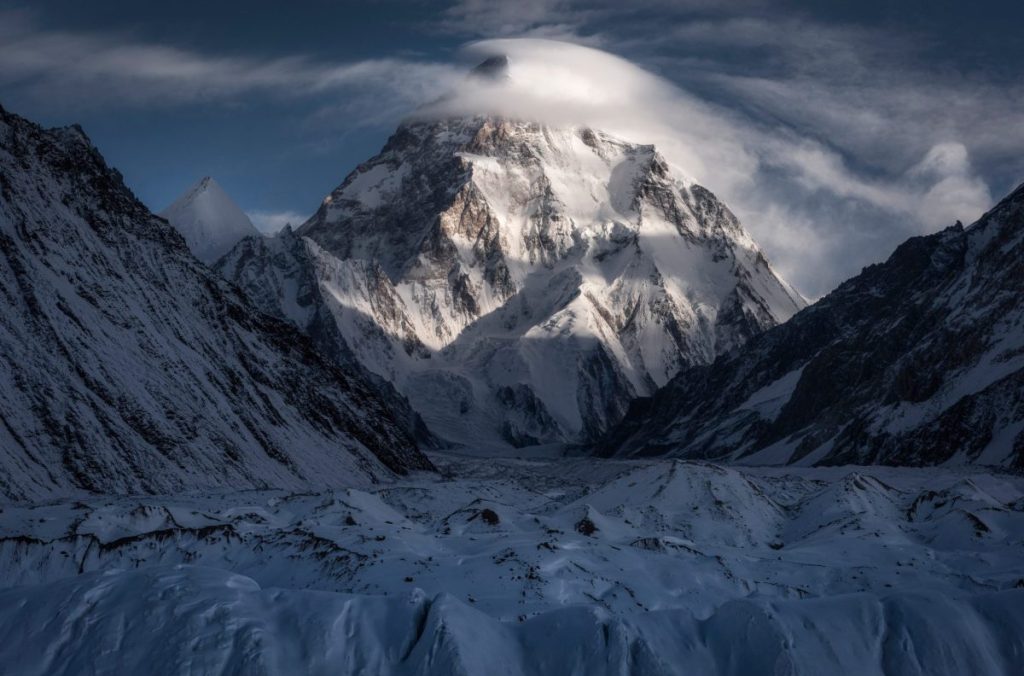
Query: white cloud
point(841, 116)
point(104, 69)
point(561, 83)
point(510, 18)
point(833, 144)
point(564, 18)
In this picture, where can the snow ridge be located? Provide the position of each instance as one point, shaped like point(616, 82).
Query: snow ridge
point(541, 567)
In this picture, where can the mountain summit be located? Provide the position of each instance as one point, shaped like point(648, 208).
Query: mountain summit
point(522, 283)
point(209, 220)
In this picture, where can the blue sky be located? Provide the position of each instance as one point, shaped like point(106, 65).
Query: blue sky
point(835, 130)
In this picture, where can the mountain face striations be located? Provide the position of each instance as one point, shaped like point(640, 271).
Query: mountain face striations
point(126, 366)
point(916, 361)
point(520, 283)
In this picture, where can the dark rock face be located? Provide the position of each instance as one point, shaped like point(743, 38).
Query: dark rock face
point(126, 366)
point(492, 68)
point(490, 517)
point(413, 224)
point(918, 360)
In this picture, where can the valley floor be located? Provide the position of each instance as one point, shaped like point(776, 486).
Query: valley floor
point(530, 566)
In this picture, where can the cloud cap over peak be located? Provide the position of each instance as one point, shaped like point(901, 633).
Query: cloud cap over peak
point(779, 181)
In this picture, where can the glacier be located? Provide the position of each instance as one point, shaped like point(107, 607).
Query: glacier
point(530, 567)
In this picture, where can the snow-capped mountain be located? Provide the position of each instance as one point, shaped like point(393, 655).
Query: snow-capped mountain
point(521, 283)
point(918, 360)
point(126, 366)
point(209, 220)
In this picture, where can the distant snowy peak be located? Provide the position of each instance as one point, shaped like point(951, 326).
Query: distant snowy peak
point(209, 220)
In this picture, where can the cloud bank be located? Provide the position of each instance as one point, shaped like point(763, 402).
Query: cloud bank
point(90, 69)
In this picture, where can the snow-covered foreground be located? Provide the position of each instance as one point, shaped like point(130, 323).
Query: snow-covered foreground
point(530, 567)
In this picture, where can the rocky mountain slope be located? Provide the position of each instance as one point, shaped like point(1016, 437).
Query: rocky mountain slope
point(918, 360)
point(209, 220)
point(128, 366)
point(288, 277)
point(522, 283)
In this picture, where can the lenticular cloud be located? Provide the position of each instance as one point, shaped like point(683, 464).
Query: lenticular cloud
point(565, 84)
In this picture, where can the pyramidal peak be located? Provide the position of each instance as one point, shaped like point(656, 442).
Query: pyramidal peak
point(522, 282)
point(205, 186)
point(210, 221)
